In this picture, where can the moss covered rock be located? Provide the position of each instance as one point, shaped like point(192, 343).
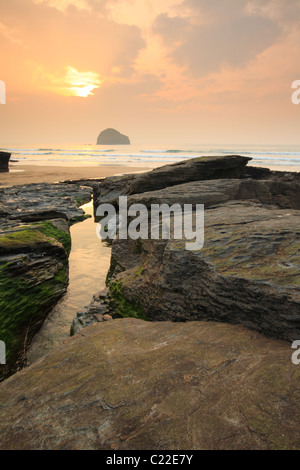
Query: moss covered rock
point(33, 277)
point(247, 272)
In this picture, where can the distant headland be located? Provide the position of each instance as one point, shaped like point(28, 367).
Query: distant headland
point(112, 137)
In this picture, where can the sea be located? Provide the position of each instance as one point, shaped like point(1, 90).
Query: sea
point(143, 155)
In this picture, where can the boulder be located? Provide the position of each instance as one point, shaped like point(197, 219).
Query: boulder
point(4, 159)
point(34, 247)
point(194, 169)
point(247, 272)
point(33, 277)
point(284, 194)
point(134, 385)
point(112, 137)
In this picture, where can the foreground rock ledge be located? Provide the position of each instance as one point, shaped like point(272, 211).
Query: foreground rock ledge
point(130, 384)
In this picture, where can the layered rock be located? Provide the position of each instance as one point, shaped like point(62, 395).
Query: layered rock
point(34, 247)
point(112, 137)
point(284, 194)
point(130, 384)
point(195, 169)
point(40, 201)
point(4, 160)
point(179, 384)
point(248, 271)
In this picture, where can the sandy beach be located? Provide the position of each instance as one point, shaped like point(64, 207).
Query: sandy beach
point(285, 168)
point(26, 174)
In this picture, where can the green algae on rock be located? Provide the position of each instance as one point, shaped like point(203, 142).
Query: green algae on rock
point(122, 307)
point(34, 247)
point(33, 277)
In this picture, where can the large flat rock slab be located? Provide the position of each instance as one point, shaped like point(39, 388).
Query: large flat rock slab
point(130, 384)
point(247, 272)
point(195, 169)
point(42, 201)
point(284, 194)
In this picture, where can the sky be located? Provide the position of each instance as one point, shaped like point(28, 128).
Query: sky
point(159, 71)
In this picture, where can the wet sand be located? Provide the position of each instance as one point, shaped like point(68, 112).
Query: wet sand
point(286, 168)
point(26, 174)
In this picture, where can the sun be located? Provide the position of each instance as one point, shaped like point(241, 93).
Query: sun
point(80, 83)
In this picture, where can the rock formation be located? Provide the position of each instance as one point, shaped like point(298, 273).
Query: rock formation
point(112, 137)
point(4, 159)
point(130, 384)
point(206, 375)
point(34, 248)
point(248, 271)
point(196, 169)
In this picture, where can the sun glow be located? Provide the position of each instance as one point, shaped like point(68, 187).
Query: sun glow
point(80, 83)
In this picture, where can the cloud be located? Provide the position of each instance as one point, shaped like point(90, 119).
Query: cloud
point(216, 34)
point(78, 83)
point(220, 10)
point(43, 38)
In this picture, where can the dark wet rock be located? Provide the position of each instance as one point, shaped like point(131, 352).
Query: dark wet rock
point(248, 272)
point(33, 277)
point(265, 173)
point(195, 169)
point(98, 317)
point(112, 137)
point(130, 384)
point(27, 201)
point(34, 248)
point(284, 194)
point(90, 182)
point(101, 294)
point(97, 311)
point(4, 160)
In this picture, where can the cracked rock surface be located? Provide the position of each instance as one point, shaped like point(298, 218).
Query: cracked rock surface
point(130, 384)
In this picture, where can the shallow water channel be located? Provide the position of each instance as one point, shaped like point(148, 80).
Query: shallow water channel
point(88, 265)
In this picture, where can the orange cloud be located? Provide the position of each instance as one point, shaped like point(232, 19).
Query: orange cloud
point(79, 83)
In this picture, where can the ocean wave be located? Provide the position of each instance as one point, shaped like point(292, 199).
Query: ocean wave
point(268, 153)
point(171, 151)
point(278, 162)
point(282, 158)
